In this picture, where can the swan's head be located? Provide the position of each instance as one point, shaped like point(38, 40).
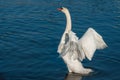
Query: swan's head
point(63, 9)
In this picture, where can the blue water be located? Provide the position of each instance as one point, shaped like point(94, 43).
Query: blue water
point(30, 31)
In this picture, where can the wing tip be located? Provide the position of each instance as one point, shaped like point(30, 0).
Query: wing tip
point(104, 45)
point(90, 59)
point(90, 28)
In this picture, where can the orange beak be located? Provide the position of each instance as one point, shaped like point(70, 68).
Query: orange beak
point(59, 9)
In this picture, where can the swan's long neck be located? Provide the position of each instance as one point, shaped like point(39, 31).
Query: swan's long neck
point(68, 24)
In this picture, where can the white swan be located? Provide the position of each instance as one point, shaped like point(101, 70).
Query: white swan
point(74, 50)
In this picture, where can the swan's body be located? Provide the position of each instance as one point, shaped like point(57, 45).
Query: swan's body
point(74, 50)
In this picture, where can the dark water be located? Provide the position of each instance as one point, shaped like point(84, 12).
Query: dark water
point(30, 31)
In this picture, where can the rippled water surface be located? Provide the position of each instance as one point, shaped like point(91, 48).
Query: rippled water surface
point(30, 31)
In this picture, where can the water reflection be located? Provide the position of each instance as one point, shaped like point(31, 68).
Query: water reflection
point(71, 76)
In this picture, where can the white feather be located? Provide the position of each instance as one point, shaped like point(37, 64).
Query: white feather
point(91, 41)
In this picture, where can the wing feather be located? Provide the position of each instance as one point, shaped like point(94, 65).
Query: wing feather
point(91, 41)
point(70, 46)
point(79, 49)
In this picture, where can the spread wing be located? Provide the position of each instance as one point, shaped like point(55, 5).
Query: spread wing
point(78, 49)
point(69, 45)
point(91, 41)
